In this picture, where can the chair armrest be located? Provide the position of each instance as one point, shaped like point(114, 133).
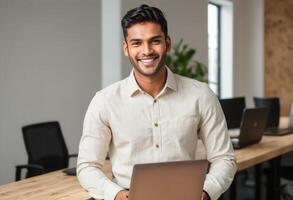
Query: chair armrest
point(28, 166)
point(75, 155)
point(72, 155)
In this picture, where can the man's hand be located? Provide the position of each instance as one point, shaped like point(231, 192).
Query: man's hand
point(122, 195)
point(205, 196)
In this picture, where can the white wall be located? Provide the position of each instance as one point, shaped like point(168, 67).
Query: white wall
point(49, 70)
point(111, 42)
point(248, 49)
point(187, 20)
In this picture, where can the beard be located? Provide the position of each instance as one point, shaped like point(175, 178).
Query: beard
point(154, 69)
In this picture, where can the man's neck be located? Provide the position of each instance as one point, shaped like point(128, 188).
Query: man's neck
point(152, 84)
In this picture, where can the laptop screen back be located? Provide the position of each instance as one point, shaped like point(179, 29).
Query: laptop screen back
point(168, 181)
point(253, 126)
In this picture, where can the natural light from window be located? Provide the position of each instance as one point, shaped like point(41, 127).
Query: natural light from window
point(213, 47)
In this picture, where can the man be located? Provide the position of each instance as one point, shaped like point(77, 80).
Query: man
point(151, 116)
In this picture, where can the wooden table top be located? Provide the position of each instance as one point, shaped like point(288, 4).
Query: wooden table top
point(55, 185)
point(269, 147)
point(59, 186)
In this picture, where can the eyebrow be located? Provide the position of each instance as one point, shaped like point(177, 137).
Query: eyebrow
point(152, 38)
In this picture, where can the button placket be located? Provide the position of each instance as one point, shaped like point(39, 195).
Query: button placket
point(156, 129)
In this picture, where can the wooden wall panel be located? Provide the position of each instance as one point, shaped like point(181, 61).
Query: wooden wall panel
point(279, 51)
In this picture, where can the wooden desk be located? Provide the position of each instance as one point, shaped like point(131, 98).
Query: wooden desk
point(58, 186)
point(55, 185)
point(269, 147)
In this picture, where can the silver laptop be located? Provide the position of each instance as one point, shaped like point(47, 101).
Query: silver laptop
point(168, 181)
point(252, 127)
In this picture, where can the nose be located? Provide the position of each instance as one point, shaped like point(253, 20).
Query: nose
point(147, 49)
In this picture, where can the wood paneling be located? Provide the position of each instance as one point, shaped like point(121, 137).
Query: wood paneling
point(279, 51)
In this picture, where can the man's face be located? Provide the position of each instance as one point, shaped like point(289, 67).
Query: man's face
point(146, 47)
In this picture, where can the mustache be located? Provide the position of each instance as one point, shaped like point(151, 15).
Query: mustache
point(149, 56)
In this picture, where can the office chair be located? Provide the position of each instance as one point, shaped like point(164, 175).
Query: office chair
point(273, 103)
point(46, 149)
point(233, 110)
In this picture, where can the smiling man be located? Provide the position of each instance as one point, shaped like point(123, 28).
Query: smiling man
point(151, 116)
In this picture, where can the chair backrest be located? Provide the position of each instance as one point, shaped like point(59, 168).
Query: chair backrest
point(273, 103)
point(233, 110)
point(45, 145)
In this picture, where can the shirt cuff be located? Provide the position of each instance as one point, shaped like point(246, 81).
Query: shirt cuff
point(111, 190)
point(212, 189)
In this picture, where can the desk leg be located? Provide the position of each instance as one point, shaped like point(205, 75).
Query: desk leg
point(233, 188)
point(273, 190)
point(258, 183)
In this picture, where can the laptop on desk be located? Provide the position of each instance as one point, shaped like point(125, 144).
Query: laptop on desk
point(272, 126)
point(251, 128)
point(277, 131)
point(168, 181)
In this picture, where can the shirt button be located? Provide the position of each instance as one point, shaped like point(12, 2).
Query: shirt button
point(157, 146)
point(155, 101)
point(156, 125)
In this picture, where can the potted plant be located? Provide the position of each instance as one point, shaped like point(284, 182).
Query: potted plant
point(180, 62)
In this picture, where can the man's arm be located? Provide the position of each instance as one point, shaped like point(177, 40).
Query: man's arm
point(93, 148)
point(213, 132)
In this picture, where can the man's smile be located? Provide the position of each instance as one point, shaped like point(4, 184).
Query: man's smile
point(148, 60)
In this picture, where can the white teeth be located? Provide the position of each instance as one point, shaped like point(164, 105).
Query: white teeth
point(147, 60)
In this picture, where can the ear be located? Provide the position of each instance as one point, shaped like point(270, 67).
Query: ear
point(168, 43)
point(125, 48)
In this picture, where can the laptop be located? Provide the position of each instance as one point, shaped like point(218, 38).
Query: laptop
point(276, 131)
point(168, 180)
point(272, 127)
point(251, 129)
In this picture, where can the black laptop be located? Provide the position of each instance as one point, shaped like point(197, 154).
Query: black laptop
point(251, 128)
point(272, 126)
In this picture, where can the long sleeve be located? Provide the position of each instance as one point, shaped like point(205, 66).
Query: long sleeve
point(213, 131)
point(93, 148)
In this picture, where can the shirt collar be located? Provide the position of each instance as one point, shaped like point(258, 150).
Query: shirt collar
point(134, 88)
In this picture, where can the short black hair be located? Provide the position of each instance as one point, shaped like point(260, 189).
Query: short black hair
point(144, 13)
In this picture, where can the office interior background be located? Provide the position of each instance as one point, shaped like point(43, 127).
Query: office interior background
point(55, 55)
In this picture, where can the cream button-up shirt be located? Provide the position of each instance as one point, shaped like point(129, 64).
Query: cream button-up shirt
point(136, 128)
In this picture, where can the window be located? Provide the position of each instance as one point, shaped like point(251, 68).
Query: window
point(220, 47)
point(214, 31)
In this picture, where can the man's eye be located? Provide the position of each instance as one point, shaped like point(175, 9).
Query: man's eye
point(135, 43)
point(156, 42)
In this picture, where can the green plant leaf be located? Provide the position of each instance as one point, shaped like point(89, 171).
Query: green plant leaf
point(180, 61)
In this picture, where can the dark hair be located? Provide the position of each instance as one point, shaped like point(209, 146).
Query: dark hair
point(144, 13)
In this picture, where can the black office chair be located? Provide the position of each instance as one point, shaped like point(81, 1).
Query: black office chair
point(233, 110)
point(46, 149)
point(273, 103)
